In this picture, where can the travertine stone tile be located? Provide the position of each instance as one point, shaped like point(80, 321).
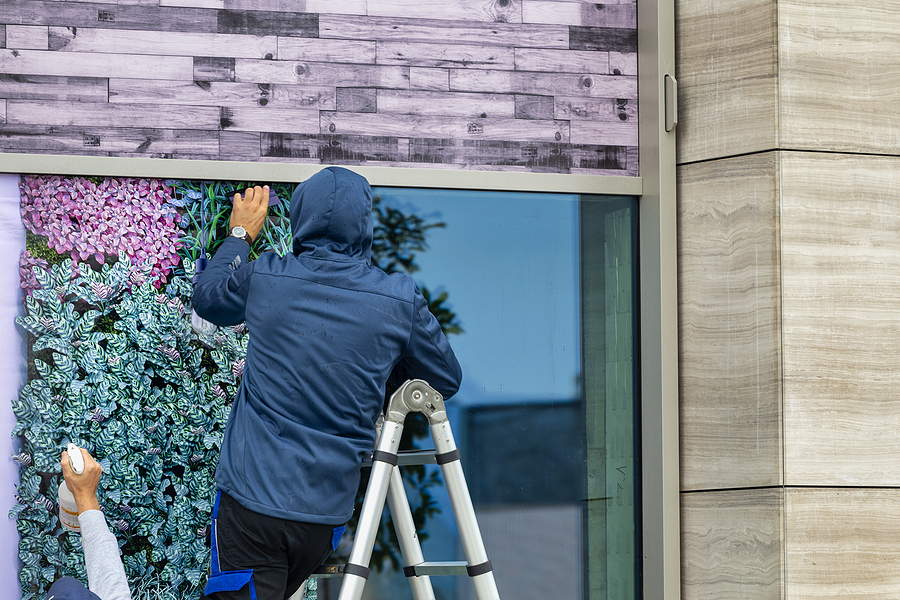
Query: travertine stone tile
point(840, 75)
point(729, 343)
point(727, 71)
point(842, 544)
point(840, 223)
point(731, 545)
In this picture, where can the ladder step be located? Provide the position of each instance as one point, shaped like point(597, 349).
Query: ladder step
point(407, 458)
point(457, 567)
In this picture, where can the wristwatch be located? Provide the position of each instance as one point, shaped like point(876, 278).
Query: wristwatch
point(240, 232)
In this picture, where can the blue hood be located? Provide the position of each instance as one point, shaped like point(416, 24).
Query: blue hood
point(331, 214)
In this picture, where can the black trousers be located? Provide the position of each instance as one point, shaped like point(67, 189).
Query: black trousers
point(258, 557)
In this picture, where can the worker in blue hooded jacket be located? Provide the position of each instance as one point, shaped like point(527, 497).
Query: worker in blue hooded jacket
point(327, 330)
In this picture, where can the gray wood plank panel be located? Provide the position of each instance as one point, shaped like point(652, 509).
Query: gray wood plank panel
point(255, 22)
point(842, 543)
point(488, 11)
point(439, 104)
point(840, 84)
point(2, 36)
point(602, 38)
point(528, 156)
point(562, 61)
point(239, 145)
point(48, 87)
point(445, 55)
point(444, 127)
point(623, 63)
point(316, 74)
point(727, 72)
point(732, 545)
point(840, 230)
point(120, 41)
point(3, 111)
point(422, 78)
point(66, 64)
point(579, 13)
point(534, 107)
point(319, 50)
point(608, 133)
point(213, 69)
point(595, 109)
point(206, 93)
point(729, 277)
point(402, 29)
point(92, 140)
point(335, 148)
point(26, 37)
point(270, 120)
point(345, 7)
point(628, 165)
point(68, 114)
point(549, 84)
point(356, 100)
point(216, 4)
point(92, 14)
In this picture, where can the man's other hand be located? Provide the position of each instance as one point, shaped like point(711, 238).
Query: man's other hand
point(250, 211)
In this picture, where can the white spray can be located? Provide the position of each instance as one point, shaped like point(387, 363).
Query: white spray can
point(68, 510)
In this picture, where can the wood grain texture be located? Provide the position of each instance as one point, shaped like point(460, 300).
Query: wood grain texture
point(840, 82)
point(94, 140)
point(315, 74)
point(431, 30)
point(842, 543)
point(36, 62)
point(727, 71)
point(729, 324)
point(356, 100)
point(26, 37)
point(239, 145)
point(489, 11)
point(579, 13)
point(611, 133)
point(441, 104)
point(445, 55)
point(732, 545)
point(534, 107)
point(67, 114)
point(602, 38)
point(562, 61)
point(269, 119)
point(595, 109)
point(341, 149)
point(49, 87)
point(113, 16)
point(437, 80)
point(550, 84)
point(175, 43)
point(318, 50)
point(256, 22)
point(345, 7)
point(206, 93)
point(841, 272)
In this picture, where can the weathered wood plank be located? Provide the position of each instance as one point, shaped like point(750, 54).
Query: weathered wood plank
point(534, 107)
point(335, 148)
point(48, 87)
point(37, 62)
point(254, 22)
point(595, 109)
point(605, 133)
point(271, 120)
point(487, 11)
point(545, 157)
point(26, 37)
point(345, 7)
point(239, 145)
point(2, 36)
point(206, 93)
point(440, 104)
point(443, 127)
point(547, 84)
point(319, 50)
point(90, 140)
point(121, 16)
point(316, 74)
point(445, 55)
point(175, 43)
point(213, 69)
point(579, 13)
point(622, 63)
point(215, 4)
point(79, 114)
point(356, 100)
point(3, 110)
point(629, 167)
point(423, 78)
point(602, 38)
point(431, 30)
point(562, 61)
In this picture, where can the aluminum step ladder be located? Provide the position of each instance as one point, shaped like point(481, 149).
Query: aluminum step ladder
point(385, 483)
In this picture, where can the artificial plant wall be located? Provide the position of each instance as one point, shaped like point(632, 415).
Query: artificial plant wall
point(115, 366)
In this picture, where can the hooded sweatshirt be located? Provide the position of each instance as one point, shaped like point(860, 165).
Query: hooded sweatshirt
point(327, 330)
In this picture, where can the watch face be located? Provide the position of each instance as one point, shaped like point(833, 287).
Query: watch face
point(239, 232)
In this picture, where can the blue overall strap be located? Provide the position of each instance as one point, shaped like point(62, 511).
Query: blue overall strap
point(225, 581)
point(336, 536)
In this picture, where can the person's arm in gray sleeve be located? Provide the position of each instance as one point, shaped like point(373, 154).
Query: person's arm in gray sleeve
point(106, 574)
point(220, 291)
point(429, 355)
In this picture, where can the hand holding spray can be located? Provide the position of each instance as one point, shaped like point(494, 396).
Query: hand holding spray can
point(68, 508)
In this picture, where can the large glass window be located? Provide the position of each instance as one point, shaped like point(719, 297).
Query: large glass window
point(540, 289)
